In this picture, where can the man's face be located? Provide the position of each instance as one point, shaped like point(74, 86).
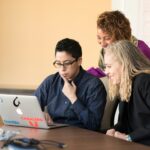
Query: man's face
point(67, 66)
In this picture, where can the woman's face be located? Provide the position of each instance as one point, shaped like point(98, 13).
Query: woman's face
point(103, 38)
point(113, 68)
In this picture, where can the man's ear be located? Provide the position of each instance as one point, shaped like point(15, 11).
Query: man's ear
point(79, 61)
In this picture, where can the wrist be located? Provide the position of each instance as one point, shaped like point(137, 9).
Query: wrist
point(73, 99)
point(128, 138)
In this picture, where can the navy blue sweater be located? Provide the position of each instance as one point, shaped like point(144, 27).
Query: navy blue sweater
point(88, 109)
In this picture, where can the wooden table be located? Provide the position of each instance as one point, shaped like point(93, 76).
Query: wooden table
point(78, 139)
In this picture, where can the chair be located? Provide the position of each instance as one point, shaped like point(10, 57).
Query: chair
point(16, 91)
point(110, 109)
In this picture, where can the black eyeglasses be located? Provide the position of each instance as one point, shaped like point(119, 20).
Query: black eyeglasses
point(65, 64)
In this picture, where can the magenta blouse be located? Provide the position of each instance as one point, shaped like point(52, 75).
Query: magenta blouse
point(141, 45)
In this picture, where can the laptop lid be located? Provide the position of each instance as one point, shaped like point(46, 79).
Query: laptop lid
point(23, 110)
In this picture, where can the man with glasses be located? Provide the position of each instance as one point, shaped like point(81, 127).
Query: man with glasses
point(72, 96)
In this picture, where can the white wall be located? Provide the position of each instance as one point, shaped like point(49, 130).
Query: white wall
point(30, 29)
point(138, 12)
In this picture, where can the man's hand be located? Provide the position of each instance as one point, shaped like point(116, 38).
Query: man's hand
point(48, 118)
point(69, 90)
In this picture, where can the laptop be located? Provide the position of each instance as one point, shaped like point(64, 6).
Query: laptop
point(23, 110)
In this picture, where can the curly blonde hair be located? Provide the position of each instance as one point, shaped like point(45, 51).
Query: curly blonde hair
point(133, 62)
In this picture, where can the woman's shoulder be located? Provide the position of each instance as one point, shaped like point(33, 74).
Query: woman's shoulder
point(143, 75)
point(141, 84)
point(142, 78)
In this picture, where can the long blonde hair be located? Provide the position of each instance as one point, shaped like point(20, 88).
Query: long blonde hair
point(133, 62)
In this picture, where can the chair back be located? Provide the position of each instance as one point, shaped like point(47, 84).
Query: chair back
point(109, 111)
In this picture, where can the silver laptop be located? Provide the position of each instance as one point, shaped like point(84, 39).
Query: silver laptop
point(23, 110)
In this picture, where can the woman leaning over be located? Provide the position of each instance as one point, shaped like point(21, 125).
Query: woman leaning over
point(113, 26)
point(128, 72)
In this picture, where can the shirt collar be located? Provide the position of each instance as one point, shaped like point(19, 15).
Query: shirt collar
point(80, 74)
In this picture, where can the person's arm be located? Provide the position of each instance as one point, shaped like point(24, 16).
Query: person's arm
point(97, 72)
point(143, 132)
point(69, 90)
point(121, 125)
point(144, 48)
point(42, 92)
point(91, 113)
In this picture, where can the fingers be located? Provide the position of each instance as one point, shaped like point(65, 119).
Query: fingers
point(65, 80)
point(120, 135)
point(48, 118)
point(73, 84)
point(110, 132)
point(116, 134)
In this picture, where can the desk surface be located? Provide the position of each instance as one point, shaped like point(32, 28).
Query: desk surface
point(78, 139)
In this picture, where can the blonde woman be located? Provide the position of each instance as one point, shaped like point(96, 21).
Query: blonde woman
point(128, 72)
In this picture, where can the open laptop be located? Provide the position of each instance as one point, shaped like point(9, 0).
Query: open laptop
point(23, 110)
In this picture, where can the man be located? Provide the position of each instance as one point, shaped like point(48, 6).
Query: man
point(72, 96)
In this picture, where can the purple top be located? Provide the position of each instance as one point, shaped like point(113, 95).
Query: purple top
point(98, 72)
point(144, 48)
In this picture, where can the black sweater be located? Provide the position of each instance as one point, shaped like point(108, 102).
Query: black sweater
point(134, 116)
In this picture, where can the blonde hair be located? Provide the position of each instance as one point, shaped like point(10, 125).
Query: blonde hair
point(133, 62)
point(133, 40)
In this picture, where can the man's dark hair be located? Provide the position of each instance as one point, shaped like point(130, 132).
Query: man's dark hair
point(70, 46)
